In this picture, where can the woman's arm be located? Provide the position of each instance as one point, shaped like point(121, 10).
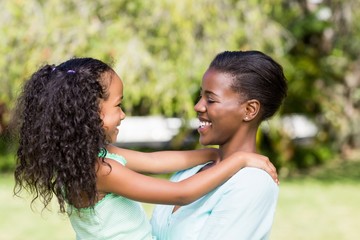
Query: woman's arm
point(125, 182)
point(164, 161)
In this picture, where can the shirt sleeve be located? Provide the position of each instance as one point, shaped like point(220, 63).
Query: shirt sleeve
point(246, 208)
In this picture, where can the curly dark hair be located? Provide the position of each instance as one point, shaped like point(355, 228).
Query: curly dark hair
point(61, 133)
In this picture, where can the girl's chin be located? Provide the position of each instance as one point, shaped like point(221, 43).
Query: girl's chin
point(112, 138)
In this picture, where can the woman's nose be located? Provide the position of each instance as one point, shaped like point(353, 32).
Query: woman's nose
point(200, 106)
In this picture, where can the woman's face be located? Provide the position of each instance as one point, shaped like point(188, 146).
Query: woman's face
point(110, 109)
point(219, 109)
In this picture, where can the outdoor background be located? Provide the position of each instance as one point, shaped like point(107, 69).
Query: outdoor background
point(161, 49)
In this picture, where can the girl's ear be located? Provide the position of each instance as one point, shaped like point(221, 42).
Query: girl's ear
point(252, 109)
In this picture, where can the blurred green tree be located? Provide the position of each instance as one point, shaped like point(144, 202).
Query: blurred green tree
point(161, 49)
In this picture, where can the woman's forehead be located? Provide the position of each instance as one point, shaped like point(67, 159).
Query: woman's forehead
point(213, 80)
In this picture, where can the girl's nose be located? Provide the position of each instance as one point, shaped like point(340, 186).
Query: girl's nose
point(123, 115)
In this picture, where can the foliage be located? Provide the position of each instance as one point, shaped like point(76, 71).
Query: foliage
point(161, 49)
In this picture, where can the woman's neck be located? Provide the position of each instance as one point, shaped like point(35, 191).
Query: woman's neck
point(245, 144)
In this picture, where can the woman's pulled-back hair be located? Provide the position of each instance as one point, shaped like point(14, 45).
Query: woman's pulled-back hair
point(255, 76)
point(60, 131)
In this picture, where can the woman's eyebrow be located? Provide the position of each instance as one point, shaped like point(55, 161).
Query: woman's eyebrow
point(207, 92)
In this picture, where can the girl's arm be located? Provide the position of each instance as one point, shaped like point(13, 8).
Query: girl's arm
point(125, 182)
point(164, 161)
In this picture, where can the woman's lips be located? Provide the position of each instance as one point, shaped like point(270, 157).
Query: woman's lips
point(203, 126)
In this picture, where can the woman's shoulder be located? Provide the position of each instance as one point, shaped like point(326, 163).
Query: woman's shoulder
point(252, 178)
point(178, 176)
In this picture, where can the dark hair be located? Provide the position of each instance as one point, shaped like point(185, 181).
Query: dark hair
point(60, 131)
point(255, 76)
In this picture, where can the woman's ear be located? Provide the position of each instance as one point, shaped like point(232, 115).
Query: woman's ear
point(252, 109)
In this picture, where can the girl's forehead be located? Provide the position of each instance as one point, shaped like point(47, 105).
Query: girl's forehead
point(116, 84)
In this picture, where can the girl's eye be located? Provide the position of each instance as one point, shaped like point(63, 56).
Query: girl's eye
point(119, 105)
point(210, 101)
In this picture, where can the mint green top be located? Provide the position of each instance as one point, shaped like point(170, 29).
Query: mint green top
point(113, 217)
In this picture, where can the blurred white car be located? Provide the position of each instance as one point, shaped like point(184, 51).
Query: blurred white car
point(158, 131)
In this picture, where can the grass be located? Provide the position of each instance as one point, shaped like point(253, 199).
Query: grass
point(19, 222)
point(313, 210)
point(321, 204)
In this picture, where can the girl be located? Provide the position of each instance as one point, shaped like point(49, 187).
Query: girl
point(69, 114)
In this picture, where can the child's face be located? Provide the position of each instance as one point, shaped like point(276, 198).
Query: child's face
point(110, 110)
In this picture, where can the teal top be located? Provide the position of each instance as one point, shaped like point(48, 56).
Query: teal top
point(113, 217)
point(242, 208)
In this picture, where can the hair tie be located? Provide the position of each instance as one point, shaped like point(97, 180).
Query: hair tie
point(71, 71)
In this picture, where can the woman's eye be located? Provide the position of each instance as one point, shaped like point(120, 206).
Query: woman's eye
point(210, 101)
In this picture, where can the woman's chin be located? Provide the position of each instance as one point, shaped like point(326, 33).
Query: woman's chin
point(203, 141)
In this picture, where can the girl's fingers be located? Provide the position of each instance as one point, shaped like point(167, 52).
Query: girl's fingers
point(272, 171)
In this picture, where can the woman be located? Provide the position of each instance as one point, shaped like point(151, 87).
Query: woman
point(239, 91)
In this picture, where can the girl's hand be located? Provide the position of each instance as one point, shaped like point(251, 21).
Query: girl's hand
point(259, 161)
